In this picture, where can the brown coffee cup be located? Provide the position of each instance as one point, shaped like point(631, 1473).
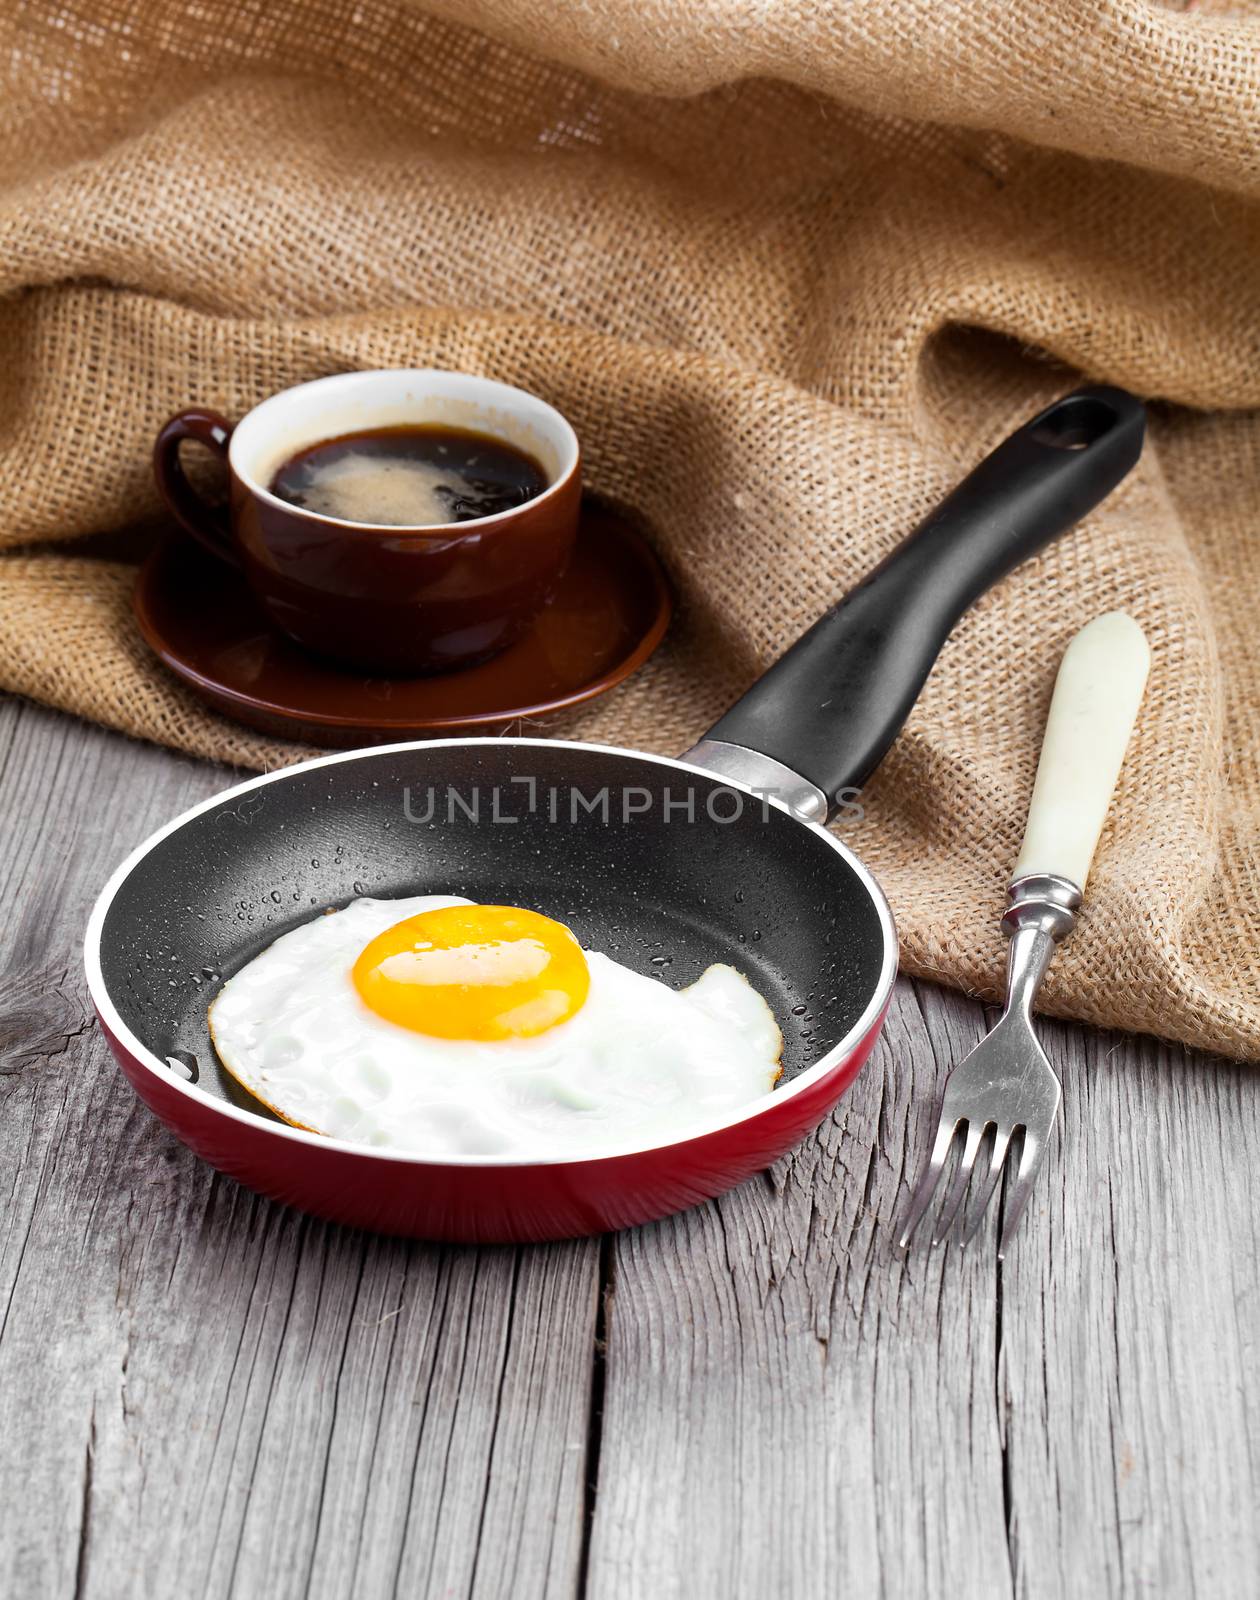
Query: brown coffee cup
point(382, 598)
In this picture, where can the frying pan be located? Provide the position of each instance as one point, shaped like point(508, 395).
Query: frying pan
point(666, 865)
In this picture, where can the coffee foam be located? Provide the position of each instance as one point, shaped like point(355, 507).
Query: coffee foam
point(360, 487)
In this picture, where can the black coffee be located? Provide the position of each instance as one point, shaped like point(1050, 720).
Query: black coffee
point(409, 476)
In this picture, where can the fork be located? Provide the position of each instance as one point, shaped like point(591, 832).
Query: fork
point(1007, 1084)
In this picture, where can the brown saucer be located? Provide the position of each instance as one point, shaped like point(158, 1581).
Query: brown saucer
point(609, 614)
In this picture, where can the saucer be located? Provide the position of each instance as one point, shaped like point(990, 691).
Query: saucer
point(608, 615)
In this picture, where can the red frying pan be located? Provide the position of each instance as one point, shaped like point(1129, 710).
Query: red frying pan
point(669, 865)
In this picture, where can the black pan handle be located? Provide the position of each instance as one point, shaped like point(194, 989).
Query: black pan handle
point(829, 709)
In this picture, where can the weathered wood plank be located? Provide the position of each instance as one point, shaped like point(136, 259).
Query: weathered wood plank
point(786, 1411)
point(1129, 1387)
point(789, 1408)
point(202, 1392)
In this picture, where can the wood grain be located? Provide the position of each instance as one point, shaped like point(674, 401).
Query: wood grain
point(205, 1394)
point(1129, 1386)
point(789, 1405)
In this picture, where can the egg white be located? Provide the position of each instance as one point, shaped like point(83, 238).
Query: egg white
point(638, 1063)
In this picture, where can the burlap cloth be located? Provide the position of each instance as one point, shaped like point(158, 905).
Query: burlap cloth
point(790, 270)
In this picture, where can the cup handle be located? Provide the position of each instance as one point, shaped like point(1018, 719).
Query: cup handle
point(209, 525)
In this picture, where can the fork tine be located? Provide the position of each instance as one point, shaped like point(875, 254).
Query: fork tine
point(980, 1202)
point(1030, 1160)
point(958, 1187)
point(945, 1131)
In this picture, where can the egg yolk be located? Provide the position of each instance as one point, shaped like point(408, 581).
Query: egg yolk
point(474, 972)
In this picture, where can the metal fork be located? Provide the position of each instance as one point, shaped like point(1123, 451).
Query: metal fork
point(1006, 1084)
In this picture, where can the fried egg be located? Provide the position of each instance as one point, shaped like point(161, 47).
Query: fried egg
point(441, 1027)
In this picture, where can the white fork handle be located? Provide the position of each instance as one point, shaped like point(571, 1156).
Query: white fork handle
point(1096, 698)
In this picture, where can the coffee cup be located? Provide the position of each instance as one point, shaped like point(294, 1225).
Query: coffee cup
point(383, 597)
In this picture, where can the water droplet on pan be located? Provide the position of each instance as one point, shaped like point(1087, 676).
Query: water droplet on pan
point(183, 1064)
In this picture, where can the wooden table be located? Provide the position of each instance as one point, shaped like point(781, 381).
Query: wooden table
point(202, 1393)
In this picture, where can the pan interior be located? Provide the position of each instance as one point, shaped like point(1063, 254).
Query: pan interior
point(664, 870)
